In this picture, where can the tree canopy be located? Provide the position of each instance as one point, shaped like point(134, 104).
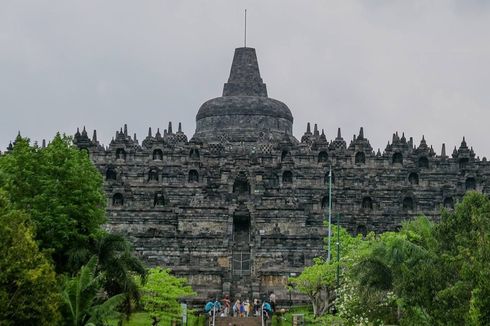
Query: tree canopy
point(162, 292)
point(428, 273)
point(51, 215)
point(61, 190)
point(318, 282)
point(28, 288)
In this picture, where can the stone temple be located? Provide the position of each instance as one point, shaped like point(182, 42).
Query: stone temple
point(241, 205)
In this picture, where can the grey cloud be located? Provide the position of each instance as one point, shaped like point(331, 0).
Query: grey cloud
point(414, 66)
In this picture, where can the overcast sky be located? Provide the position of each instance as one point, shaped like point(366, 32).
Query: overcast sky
point(421, 67)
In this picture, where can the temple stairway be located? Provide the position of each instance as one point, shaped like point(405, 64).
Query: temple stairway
point(235, 321)
point(241, 285)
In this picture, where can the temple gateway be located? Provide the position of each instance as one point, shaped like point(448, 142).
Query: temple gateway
point(240, 206)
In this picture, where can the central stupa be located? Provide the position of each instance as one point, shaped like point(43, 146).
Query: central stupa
point(244, 113)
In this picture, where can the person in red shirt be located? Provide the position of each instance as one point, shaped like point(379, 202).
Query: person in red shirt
point(227, 305)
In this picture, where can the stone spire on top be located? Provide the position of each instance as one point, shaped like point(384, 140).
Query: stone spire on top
point(361, 134)
point(245, 77)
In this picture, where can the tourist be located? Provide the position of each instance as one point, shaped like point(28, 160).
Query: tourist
point(212, 306)
point(256, 307)
point(272, 300)
point(236, 308)
point(266, 310)
point(226, 305)
point(247, 308)
point(242, 309)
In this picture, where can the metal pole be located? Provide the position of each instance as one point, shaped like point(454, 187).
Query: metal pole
point(214, 313)
point(329, 213)
point(338, 250)
point(245, 36)
point(262, 313)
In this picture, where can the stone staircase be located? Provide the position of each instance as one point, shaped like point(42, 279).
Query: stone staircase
point(235, 321)
point(241, 288)
point(241, 283)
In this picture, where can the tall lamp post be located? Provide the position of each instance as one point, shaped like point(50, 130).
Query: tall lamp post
point(338, 250)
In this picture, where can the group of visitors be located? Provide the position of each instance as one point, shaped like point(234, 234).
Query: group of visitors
point(224, 308)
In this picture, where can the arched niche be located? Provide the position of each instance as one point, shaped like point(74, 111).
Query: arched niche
point(413, 178)
point(463, 162)
point(322, 157)
point(117, 199)
point(285, 154)
point(367, 203)
point(158, 199)
point(194, 154)
point(241, 185)
point(287, 177)
point(153, 175)
point(193, 176)
point(423, 162)
point(110, 173)
point(470, 183)
point(408, 203)
point(397, 158)
point(158, 154)
point(120, 154)
point(360, 158)
point(241, 227)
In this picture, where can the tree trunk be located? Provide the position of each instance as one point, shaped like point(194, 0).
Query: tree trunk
point(315, 307)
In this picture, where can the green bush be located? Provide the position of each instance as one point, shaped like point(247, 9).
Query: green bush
point(198, 320)
point(278, 320)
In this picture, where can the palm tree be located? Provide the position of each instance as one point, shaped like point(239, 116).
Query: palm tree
point(83, 300)
point(117, 261)
point(401, 263)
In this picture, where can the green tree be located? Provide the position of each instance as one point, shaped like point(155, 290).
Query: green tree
point(162, 292)
point(28, 289)
point(119, 265)
point(395, 278)
point(435, 274)
point(319, 281)
point(85, 302)
point(464, 250)
point(61, 190)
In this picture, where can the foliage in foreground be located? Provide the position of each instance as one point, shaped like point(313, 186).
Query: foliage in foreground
point(115, 258)
point(52, 198)
point(61, 190)
point(426, 274)
point(319, 281)
point(28, 288)
point(84, 302)
point(162, 292)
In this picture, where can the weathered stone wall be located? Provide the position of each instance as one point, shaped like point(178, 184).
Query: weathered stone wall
point(282, 187)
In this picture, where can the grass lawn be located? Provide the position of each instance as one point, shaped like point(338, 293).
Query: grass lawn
point(144, 319)
point(137, 319)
